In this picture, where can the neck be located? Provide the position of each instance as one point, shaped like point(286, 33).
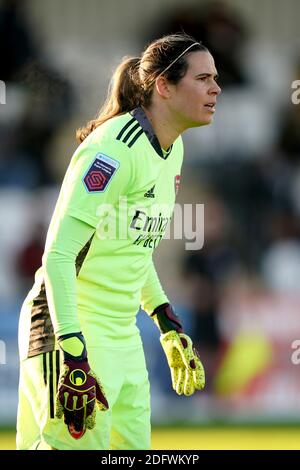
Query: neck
point(164, 126)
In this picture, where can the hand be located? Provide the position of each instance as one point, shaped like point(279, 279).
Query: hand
point(186, 368)
point(79, 388)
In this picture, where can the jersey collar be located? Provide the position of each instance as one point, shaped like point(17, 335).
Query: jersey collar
point(140, 115)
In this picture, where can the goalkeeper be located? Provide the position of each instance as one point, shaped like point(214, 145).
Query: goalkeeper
point(83, 379)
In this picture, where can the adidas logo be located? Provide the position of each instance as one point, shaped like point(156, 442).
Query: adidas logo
point(150, 192)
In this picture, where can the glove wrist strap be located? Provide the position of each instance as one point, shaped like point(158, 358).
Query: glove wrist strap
point(73, 347)
point(166, 319)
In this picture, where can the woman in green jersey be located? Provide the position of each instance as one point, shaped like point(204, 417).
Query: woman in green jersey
point(83, 379)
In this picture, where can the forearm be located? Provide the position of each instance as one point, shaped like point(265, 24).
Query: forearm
point(59, 263)
point(60, 281)
point(153, 294)
point(157, 305)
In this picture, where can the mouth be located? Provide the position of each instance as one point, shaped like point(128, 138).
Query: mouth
point(211, 107)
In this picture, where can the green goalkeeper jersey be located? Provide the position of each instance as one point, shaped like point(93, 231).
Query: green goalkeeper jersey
point(121, 185)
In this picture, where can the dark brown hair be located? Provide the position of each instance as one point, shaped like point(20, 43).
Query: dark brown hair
point(133, 80)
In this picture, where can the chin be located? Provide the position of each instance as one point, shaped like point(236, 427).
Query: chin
point(204, 119)
point(203, 122)
point(200, 121)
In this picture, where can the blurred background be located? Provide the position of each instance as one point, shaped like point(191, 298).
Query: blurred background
point(239, 295)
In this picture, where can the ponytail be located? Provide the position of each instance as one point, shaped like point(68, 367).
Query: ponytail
point(124, 94)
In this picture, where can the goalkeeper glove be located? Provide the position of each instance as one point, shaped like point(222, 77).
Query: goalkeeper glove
point(186, 368)
point(78, 388)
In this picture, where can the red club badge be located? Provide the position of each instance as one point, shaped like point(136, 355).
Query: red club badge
point(176, 183)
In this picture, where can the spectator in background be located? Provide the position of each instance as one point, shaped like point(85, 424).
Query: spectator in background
point(281, 258)
point(282, 163)
point(220, 27)
point(280, 263)
point(205, 272)
point(47, 103)
point(19, 47)
point(29, 258)
point(288, 133)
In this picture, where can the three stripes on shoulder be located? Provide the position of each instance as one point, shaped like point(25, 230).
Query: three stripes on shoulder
point(130, 133)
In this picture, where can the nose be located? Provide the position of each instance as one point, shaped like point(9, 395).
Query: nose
point(216, 89)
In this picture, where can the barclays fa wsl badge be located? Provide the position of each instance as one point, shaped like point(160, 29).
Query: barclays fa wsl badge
point(176, 183)
point(100, 173)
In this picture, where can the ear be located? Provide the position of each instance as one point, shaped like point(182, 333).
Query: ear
point(163, 87)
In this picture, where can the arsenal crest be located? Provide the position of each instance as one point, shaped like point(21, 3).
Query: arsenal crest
point(176, 183)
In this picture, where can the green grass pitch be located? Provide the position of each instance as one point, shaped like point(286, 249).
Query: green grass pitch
point(210, 438)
